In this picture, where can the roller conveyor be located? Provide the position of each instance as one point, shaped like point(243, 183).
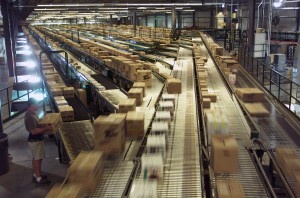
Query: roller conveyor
point(238, 127)
point(76, 136)
point(182, 176)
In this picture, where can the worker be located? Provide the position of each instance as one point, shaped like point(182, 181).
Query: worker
point(36, 140)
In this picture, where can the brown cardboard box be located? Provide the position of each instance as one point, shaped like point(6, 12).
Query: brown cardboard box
point(229, 189)
point(53, 119)
point(67, 190)
point(211, 96)
point(174, 86)
point(224, 155)
point(206, 103)
point(67, 113)
point(68, 92)
point(219, 51)
point(283, 153)
point(81, 93)
point(134, 124)
point(87, 167)
point(140, 85)
point(250, 94)
point(145, 76)
point(56, 92)
point(296, 182)
point(136, 93)
point(110, 133)
point(54, 77)
point(256, 109)
point(290, 166)
point(127, 105)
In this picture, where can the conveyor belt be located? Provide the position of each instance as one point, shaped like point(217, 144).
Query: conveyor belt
point(77, 136)
point(104, 81)
point(114, 179)
point(182, 176)
point(247, 173)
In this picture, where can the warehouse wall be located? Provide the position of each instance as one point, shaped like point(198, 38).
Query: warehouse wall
point(202, 19)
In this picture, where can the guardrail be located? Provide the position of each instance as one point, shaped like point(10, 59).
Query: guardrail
point(13, 96)
point(285, 90)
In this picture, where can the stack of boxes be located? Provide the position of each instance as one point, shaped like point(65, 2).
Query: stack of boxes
point(205, 97)
point(137, 94)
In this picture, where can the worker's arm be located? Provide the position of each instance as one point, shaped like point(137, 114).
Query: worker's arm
point(40, 130)
point(34, 128)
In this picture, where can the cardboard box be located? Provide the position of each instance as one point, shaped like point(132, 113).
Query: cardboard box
point(206, 103)
point(67, 113)
point(68, 92)
point(173, 86)
point(110, 133)
point(140, 85)
point(256, 109)
point(216, 123)
point(250, 94)
point(81, 93)
point(135, 124)
point(211, 96)
point(53, 119)
point(229, 189)
point(87, 167)
point(136, 93)
point(56, 92)
point(224, 154)
point(152, 166)
point(127, 105)
point(144, 76)
point(67, 190)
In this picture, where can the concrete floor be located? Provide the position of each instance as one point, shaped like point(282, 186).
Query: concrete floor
point(17, 182)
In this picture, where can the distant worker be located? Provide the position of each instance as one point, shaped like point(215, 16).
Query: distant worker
point(221, 19)
point(36, 141)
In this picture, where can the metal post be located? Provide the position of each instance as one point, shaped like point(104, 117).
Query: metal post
point(110, 17)
point(194, 19)
point(173, 17)
point(146, 20)
point(179, 19)
point(166, 20)
point(298, 18)
point(212, 18)
point(134, 24)
point(279, 82)
point(291, 87)
point(251, 20)
point(3, 148)
point(7, 37)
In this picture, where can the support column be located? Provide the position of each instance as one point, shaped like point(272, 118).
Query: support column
point(251, 21)
point(7, 38)
point(146, 20)
point(173, 17)
point(13, 34)
point(134, 23)
point(298, 18)
point(194, 19)
point(212, 18)
point(166, 20)
point(3, 147)
point(110, 21)
point(179, 19)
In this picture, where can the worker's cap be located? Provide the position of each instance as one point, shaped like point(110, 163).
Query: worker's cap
point(32, 101)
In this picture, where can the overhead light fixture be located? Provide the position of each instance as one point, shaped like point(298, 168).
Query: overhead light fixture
point(278, 3)
point(141, 8)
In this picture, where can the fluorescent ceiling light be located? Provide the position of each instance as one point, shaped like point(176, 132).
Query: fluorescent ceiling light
point(141, 8)
point(278, 3)
point(188, 10)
